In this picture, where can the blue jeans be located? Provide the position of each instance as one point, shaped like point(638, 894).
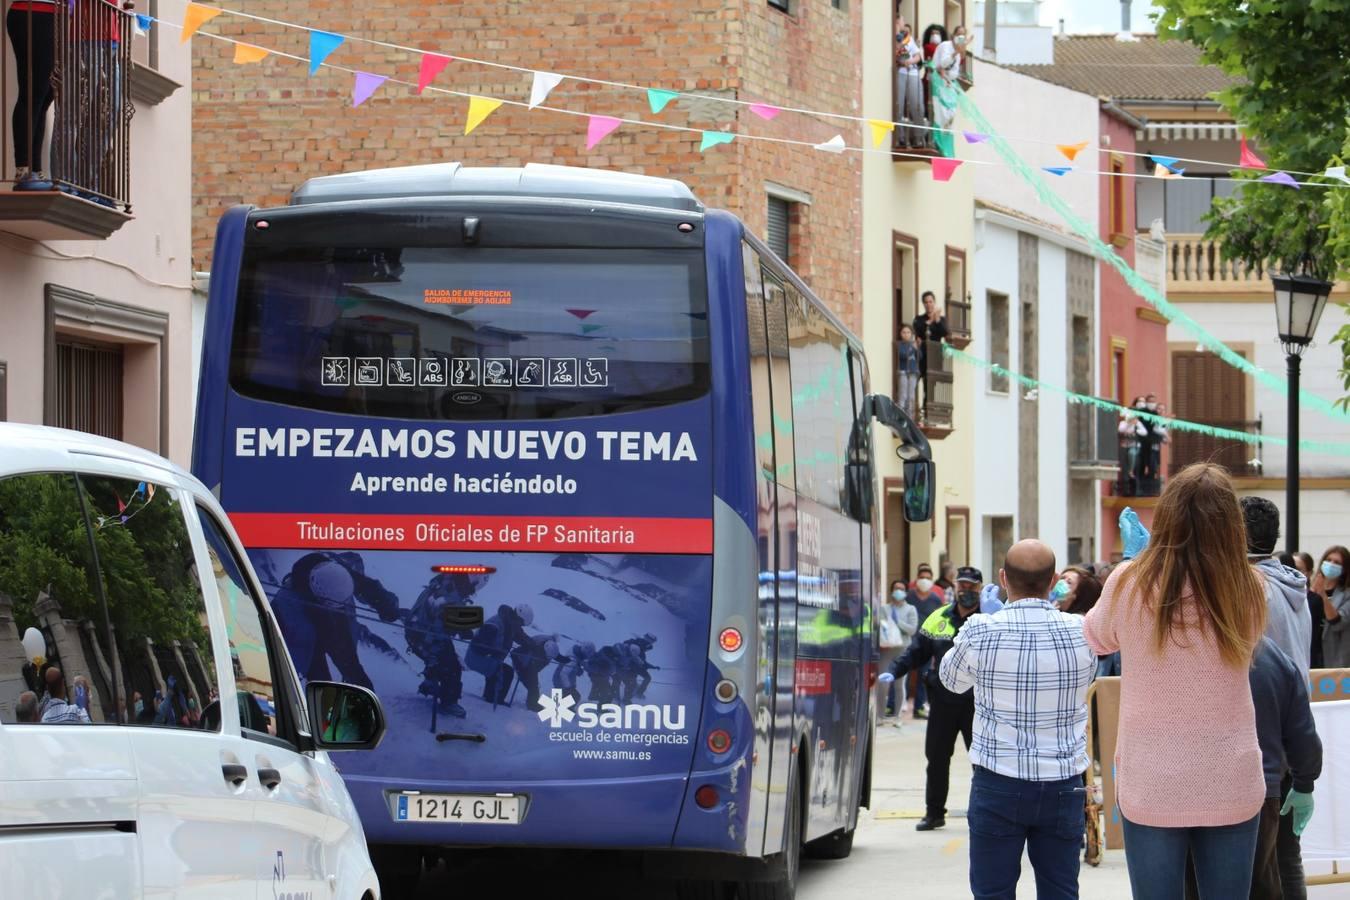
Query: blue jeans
point(1007, 814)
point(1223, 857)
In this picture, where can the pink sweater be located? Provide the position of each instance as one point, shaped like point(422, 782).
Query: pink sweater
point(1187, 753)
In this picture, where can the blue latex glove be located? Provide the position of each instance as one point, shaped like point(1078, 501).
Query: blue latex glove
point(81, 697)
point(1133, 534)
point(1301, 805)
point(885, 678)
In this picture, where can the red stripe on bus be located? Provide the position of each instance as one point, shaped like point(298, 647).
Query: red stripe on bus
point(581, 534)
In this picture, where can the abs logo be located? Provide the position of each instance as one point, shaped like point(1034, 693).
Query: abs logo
point(556, 708)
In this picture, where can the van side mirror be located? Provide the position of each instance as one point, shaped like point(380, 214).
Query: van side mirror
point(918, 498)
point(344, 716)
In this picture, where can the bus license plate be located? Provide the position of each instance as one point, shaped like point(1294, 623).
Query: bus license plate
point(479, 809)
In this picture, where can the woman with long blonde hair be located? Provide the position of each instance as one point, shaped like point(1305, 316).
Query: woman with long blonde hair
point(1186, 616)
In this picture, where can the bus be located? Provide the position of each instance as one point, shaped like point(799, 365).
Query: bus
point(577, 475)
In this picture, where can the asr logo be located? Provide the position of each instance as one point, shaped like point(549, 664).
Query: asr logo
point(279, 882)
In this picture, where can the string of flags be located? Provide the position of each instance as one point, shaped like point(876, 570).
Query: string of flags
point(323, 44)
point(144, 490)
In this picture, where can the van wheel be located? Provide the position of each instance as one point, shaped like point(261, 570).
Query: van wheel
point(785, 888)
point(399, 870)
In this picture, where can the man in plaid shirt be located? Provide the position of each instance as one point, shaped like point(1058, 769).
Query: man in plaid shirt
point(1030, 669)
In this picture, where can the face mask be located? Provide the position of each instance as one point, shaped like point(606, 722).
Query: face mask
point(959, 40)
point(934, 40)
point(1061, 589)
point(924, 584)
point(1331, 570)
point(1150, 406)
point(968, 599)
point(897, 595)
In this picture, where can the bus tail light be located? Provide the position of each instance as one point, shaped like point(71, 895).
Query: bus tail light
point(719, 741)
point(706, 796)
point(463, 570)
point(730, 640)
point(726, 690)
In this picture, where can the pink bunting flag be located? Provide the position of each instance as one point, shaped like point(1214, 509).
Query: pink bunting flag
point(433, 64)
point(600, 127)
point(1249, 160)
point(943, 167)
point(365, 85)
point(764, 110)
point(1283, 178)
point(581, 313)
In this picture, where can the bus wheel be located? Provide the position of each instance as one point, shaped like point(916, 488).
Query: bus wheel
point(785, 888)
point(836, 845)
point(399, 869)
point(703, 890)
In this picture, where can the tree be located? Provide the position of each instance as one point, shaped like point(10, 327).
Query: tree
point(1293, 96)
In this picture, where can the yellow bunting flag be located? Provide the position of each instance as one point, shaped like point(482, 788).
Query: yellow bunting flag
point(479, 109)
point(881, 129)
point(247, 53)
point(1072, 150)
point(195, 17)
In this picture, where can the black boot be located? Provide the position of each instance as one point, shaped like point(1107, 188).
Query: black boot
point(931, 823)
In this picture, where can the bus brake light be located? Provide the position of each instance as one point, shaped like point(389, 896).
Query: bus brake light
point(730, 640)
point(463, 570)
point(719, 741)
point(706, 796)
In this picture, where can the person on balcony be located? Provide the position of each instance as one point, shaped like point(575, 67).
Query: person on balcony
point(907, 354)
point(909, 86)
point(1150, 449)
point(1131, 430)
point(929, 325)
point(96, 24)
point(947, 62)
point(31, 26)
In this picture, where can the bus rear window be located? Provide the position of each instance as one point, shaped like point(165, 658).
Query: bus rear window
point(479, 334)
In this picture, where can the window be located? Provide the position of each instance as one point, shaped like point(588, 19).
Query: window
point(998, 340)
point(144, 657)
point(759, 361)
point(1181, 203)
point(1000, 540)
point(780, 219)
point(1081, 338)
point(784, 5)
point(1205, 389)
point(905, 287)
point(437, 333)
point(1118, 180)
point(160, 639)
point(958, 536)
point(88, 389)
point(1118, 386)
point(821, 413)
point(252, 647)
point(955, 306)
point(776, 316)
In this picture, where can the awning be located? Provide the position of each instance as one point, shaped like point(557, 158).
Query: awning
point(1188, 131)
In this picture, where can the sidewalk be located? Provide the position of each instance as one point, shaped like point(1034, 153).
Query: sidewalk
point(888, 854)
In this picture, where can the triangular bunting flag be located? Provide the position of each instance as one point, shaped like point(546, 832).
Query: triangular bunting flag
point(479, 109)
point(1061, 171)
point(833, 145)
point(581, 313)
point(713, 138)
point(1169, 162)
point(1071, 150)
point(322, 43)
point(974, 137)
point(600, 127)
point(364, 85)
point(247, 53)
point(544, 82)
point(1164, 172)
point(658, 99)
point(432, 65)
point(143, 23)
point(1283, 178)
point(881, 131)
point(943, 167)
point(195, 17)
point(591, 329)
point(1338, 172)
point(1249, 160)
point(764, 110)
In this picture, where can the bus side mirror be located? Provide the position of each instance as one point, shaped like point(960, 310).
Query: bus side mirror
point(913, 443)
point(918, 500)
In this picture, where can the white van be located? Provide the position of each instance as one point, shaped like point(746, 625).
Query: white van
point(154, 741)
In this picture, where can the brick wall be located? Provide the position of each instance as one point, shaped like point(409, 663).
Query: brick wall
point(259, 130)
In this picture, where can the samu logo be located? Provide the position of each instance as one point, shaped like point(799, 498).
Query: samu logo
point(557, 708)
point(279, 879)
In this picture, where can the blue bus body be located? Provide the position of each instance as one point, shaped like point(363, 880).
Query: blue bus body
point(692, 527)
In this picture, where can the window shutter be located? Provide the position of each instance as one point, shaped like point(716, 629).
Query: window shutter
point(779, 211)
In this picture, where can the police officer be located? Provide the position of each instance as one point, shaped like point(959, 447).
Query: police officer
point(950, 714)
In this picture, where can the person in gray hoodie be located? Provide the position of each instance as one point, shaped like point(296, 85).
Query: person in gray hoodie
point(1291, 752)
point(1289, 627)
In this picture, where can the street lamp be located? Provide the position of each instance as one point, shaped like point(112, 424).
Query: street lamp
point(1299, 300)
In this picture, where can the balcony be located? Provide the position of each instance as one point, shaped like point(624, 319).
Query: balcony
point(1195, 264)
point(1093, 444)
point(1240, 459)
point(935, 415)
point(957, 313)
point(916, 145)
point(86, 89)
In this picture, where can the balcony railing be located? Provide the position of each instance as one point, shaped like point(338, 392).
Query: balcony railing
point(936, 412)
point(73, 64)
point(912, 104)
point(1237, 457)
point(958, 322)
point(1196, 263)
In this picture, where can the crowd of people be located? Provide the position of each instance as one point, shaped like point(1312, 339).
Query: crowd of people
point(925, 70)
point(1204, 600)
point(1141, 440)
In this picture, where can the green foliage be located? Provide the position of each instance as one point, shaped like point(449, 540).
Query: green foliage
point(1281, 229)
point(43, 546)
